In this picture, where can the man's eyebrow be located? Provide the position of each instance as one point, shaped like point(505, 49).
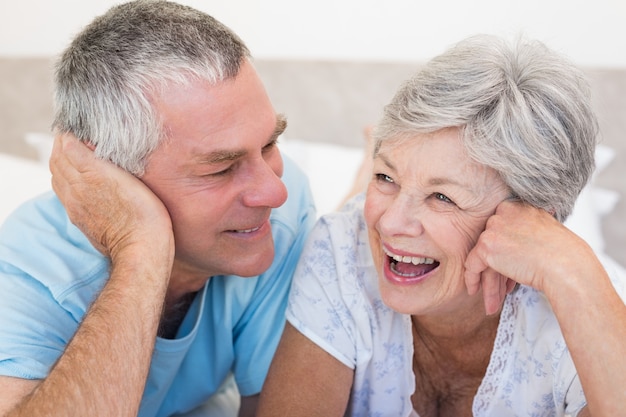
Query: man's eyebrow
point(218, 157)
point(281, 125)
point(222, 156)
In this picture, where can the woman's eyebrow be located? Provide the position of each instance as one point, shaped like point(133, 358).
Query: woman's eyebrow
point(386, 161)
point(436, 181)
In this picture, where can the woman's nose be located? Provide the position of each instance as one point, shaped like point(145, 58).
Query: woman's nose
point(402, 217)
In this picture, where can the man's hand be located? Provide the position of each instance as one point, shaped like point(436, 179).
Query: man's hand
point(114, 209)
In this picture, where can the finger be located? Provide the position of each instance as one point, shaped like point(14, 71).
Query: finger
point(78, 153)
point(494, 290)
point(55, 154)
point(472, 282)
point(510, 285)
point(60, 167)
point(60, 162)
point(474, 266)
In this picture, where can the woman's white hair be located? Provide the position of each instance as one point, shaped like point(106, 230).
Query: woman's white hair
point(105, 79)
point(524, 111)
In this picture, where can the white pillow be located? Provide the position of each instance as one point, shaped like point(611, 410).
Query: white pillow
point(331, 169)
point(592, 204)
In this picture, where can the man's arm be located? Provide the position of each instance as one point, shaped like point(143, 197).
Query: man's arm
point(13, 390)
point(104, 367)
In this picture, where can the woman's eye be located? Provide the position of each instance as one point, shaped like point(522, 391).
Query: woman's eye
point(384, 178)
point(443, 198)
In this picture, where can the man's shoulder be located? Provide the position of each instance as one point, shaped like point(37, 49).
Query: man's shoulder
point(300, 206)
point(39, 241)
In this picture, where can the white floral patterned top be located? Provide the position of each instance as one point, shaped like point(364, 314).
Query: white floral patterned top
point(335, 302)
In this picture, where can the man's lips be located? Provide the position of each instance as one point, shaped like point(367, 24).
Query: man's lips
point(254, 229)
point(251, 230)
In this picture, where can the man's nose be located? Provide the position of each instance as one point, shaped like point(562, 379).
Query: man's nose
point(267, 189)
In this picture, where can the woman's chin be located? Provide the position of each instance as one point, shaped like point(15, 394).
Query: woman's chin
point(402, 299)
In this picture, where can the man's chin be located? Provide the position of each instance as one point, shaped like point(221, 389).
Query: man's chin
point(254, 266)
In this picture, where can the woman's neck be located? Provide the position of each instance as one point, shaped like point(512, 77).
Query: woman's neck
point(463, 338)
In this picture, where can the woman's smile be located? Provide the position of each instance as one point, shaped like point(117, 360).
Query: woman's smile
point(407, 269)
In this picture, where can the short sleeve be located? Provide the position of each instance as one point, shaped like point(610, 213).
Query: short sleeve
point(35, 328)
point(49, 275)
point(321, 304)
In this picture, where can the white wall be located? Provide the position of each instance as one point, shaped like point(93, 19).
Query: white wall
point(591, 32)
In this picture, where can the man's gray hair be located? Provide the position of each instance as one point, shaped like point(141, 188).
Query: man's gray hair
point(524, 111)
point(106, 78)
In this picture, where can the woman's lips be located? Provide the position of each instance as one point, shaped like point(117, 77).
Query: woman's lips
point(407, 270)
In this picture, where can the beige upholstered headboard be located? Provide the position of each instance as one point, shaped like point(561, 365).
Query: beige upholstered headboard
point(324, 101)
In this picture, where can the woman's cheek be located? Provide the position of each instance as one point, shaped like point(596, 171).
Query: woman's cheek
point(468, 231)
point(372, 208)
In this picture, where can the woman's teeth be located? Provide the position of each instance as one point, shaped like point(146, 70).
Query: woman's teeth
point(415, 260)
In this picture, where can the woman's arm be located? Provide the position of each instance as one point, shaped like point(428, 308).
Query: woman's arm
point(304, 380)
point(529, 246)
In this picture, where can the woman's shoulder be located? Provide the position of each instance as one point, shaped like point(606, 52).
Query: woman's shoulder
point(342, 237)
point(336, 261)
point(346, 223)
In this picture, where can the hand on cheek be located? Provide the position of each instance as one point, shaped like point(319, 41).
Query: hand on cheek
point(501, 256)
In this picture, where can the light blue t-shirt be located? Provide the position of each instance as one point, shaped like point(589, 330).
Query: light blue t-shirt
point(50, 274)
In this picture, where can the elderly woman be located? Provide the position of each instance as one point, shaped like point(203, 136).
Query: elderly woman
point(452, 288)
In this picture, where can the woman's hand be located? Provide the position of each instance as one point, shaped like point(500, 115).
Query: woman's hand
point(527, 245)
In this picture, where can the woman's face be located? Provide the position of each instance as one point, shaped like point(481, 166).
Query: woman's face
point(426, 205)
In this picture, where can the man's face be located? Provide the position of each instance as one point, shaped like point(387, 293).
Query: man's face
point(218, 174)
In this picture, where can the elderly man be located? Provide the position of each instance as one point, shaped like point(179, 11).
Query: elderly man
point(142, 294)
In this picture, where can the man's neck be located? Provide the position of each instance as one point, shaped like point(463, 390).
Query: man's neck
point(181, 292)
point(174, 314)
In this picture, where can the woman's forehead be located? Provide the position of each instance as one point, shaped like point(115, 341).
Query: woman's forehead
point(437, 158)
